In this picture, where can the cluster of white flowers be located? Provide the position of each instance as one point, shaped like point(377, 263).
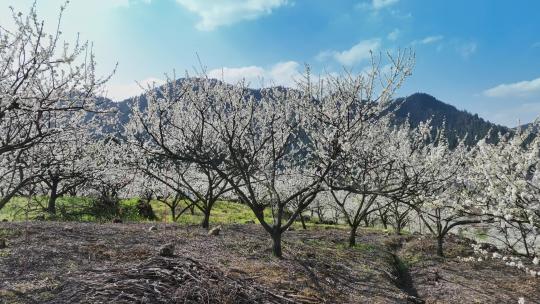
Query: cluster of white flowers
point(517, 262)
point(505, 183)
point(477, 248)
point(468, 259)
point(509, 260)
point(46, 92)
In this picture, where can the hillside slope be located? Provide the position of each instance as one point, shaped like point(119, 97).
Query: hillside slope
point(418, 107)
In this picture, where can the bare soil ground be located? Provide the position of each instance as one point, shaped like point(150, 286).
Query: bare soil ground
point(51, 262)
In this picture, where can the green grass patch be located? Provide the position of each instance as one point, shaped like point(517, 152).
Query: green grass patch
point(17, 208)
point(223, 212)
point(80, 209)
point(481, 235)
point(68, 208)
point(411, 259)
point(365, 247)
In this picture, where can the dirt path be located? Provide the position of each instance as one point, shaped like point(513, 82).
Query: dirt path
point(50, 262)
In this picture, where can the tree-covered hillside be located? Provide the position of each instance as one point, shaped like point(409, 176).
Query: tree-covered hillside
point(420, 107)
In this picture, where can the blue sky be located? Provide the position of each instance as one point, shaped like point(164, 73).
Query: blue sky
point(479, 55)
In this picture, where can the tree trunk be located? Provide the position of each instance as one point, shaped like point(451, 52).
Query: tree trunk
point(384, 221)
point(352, 237)
point(206, 220)
point(398, 227)
point(173, 212)
point(320, 216)
point(440, 242)
point(73, 192)
point(524, 240)
point(303, 222)
point(4, 200)
point(9, 195)
point(276, 243)
point(51, 206)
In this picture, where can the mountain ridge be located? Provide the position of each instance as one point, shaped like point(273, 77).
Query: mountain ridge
point(420, 107)
point(417, 108)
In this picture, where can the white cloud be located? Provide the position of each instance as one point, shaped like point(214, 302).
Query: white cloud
point(467, 49)
point(282, 73)
point(356, 54)
point(215, 13)
point(377, 4)
point(80, 16)
point(428, 40)
point(119, 3)
point(517, 89)
point(431, 39)
point(359, 52)
point(393, 35)
point(383, 71)
point(398, 14)
point(119, 92)
point(324, 55)
point(234, 75)
point(516, 115)
point(123, 3)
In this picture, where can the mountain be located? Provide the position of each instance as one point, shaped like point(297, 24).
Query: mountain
point(420, 107)
point(417, 108)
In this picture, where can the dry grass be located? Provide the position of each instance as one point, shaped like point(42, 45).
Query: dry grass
point(51, 262)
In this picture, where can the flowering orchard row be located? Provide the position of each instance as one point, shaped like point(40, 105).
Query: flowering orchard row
point(330, 145)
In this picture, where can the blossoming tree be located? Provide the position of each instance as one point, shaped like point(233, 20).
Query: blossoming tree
point(41, 80)
point(506, 186)
point(274, 150)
